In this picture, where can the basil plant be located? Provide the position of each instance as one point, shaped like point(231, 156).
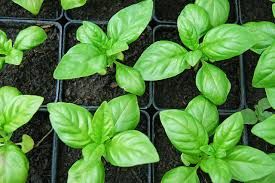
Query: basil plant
point(15, 111)
point(223, 158)
point(204, 21)
point(97, 50)
point(26, 39)
point(109, 133)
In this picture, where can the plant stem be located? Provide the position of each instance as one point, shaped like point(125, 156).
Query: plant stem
point(43, 138)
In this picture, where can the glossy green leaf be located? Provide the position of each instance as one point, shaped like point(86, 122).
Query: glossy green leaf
point(213, 83)
point(264, 75)
point(273, 9)
point(117, 48)
point(4, 43)
point(264, 34)
point(131, 148)
point(205, 112)
point(181, 174)
point(229, 132)
point(188, 159)
point(71, 123)
point(80, 61)
point(270, 93)
point(226, 41)
point(14, 57)
point(86, 172)
point(265, 130)
point(125, 111)
point(162, 60)
point(247, 163)
point(93, 152)
point(32, 6)
point(185, 132)
point(249, 116)
point(27, 143)
point(70, 4)
point(128, 24)
point(218, 10)
point(193, 57)
point(14, 165)
point(30, 38)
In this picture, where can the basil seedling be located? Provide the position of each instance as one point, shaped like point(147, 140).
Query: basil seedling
point(223, 159)
point(26, 39)
point(32, 6)
point(15, 111)
point(109, 133)
point(166, 59)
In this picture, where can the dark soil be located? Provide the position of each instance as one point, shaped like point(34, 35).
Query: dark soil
point(93, 90)
point(255, 10)
point(99, 10)
point(35, 74)
point(176, 92)
point(40, 157)
point(51, 9)
point(169, 10)
point(113, 174)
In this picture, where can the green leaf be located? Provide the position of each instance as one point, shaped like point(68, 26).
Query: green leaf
point(213, 83)
point(32, 6)
point(30, 38)
point(193, 57)
point(131, 148)
point(129, 79)
point(270, 93)
point(125, 111)
point(27, 143)
point(263, 105)
point(102, 127)
point(249, 117)
point(205, 112)
point(14, 57)
point(71, 123)
point(226, 41)
point(181, 174)
point(247, 163)
point(128, 24)
point(5, 44)
point(192, 22)
point(273, 9)
point(162, 60)
point(117, 48)
point(229, 132)
point(184, 131)
point(93, 152)
point(264, 75)
point(86, 172)
point(2, 62)
point(217, 169)
point(265, 130)
point(218, 10)
point(70, 4)
point(264, 34)
point(14, 165)
point(189, 159)
point(80, 61)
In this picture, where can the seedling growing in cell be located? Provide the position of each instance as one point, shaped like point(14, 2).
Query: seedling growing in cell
point(15, 111)
point(109, 133)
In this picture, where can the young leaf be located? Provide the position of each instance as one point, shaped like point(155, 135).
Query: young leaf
point(189, 159)
point(70, 4)
point(86, 172)
point(2, 62)
point(129, 79)
point(14, 165)
point(14, 57)
point(128, 24)
point(102, 127)
point(30, 38)
point(218, 10)
point(80, 61)
point(162, 60)
point(184, 131)
point(117, 48)
point(249, 117)
point(125, 112)
point(192, 22)
point(181, 174)
point(265, 130)
point(247, 163)
point(273, 9)
point(7, 94)
point(6, 47)
point(93, 152)
point(27, 143)
point(229, 132)
point(213, 83)
point(226, 41)
point(264, 33)
point(193, 57)
point(205, 112)
point(32, 6)
point(270, 93)
point(131, 148)
point(71, 123)
point(264, 75)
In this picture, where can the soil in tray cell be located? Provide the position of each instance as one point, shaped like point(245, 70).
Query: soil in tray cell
point(40, 157)
point(93, 90)
point(176, 92)
point(139, 174)
point(50, 9)
point(34, 76)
